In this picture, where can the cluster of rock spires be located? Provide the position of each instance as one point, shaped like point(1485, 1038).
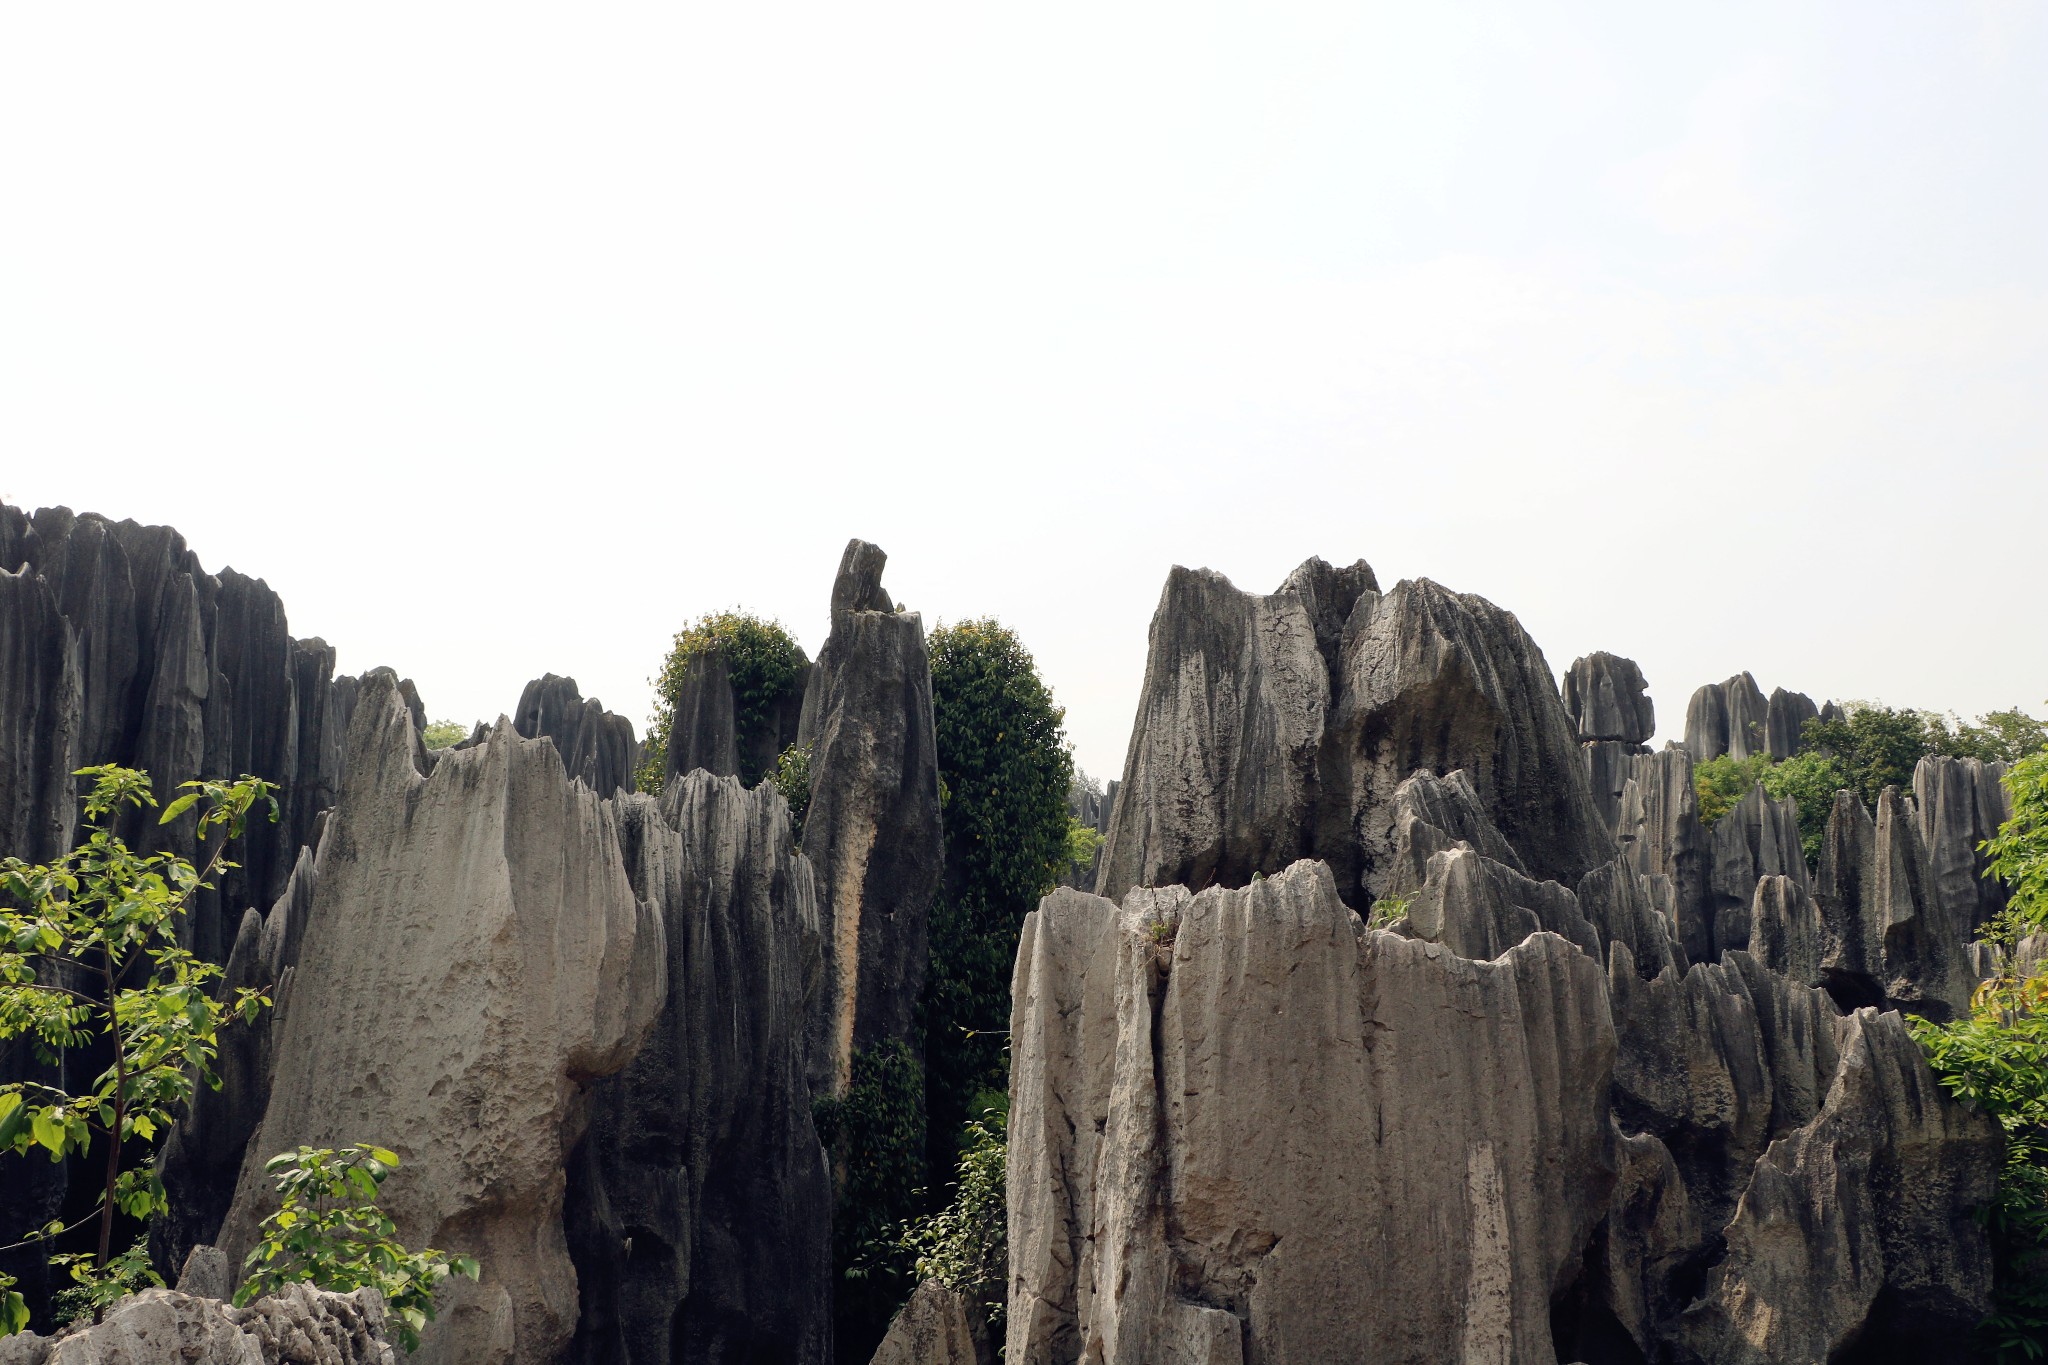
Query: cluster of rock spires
point(1594, 1083)
point(1419, 1018)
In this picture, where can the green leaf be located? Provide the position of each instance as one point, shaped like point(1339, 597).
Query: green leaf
point(385, 1155)
point(48, 1129)
point(13, 1313)
point(178, 807)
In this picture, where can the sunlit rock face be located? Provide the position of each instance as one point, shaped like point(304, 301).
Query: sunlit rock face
point(1591, 1085)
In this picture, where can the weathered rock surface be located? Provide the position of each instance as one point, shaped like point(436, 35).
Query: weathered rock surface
point(698, 1202)
point(1661, 836)
point(116, 646)
point(872, 828)
point(1231, 1111)
point(936, 1327)
point(1959, 803)
point(1784, 716)
point(1860, 1226)
point(1607, 699)
point(1221, 776)
point(300, 1326)
point(473, 955)
point(1267, 732)
point(1727, 718)
point(597, 748)
point(1758, 838)
point(1890, 936)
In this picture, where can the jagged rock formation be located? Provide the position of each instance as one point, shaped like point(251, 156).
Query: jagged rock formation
point(1218, 1099)
point(116, 646)
point(1735, 718)
point(704, 732)
point(1607, 699)
point(872, 828)
point(934, 1328)
point(597, 747)
point(474, 952)
point(1610, 708)
point(1278, 727)
point(1776, 1178)
point(300, 1326)
point(1092, 809)
point(697, 1199)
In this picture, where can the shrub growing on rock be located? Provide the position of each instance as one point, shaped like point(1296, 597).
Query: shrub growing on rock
point(764, 662)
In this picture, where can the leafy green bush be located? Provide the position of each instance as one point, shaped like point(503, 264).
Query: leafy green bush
point(1811, 780)
point(328, 1232)
point(96, 1288)
point(764, 662)
point(792, 777)
point(1720, 783)
point(965, 1245)
point(1083, 843)
point(89, 948)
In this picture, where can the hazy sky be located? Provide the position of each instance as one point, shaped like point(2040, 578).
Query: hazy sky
point(504, 338)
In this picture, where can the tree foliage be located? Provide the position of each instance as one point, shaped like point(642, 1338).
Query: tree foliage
point(440, 734)
point(1810, 778)
point(965, 1245)
point(89, 950)
point(1006, 768)
point(328, 1232)
point(763, 661)
point(875, 1133)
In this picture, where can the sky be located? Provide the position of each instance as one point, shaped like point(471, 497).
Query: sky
point(507, 339)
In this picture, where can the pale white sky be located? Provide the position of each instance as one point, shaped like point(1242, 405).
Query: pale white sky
point(505, 338)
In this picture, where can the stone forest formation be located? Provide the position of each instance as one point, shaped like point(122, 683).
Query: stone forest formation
point(1409, 1011)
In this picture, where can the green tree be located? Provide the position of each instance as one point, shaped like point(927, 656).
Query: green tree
point(2000, 737)
point(764, 662)
point(89, 950)
point(1006, 768)
point(440, 734)
point(1811, 779)
point(328, 1232)
point(1720, 783)
point(1876, 746)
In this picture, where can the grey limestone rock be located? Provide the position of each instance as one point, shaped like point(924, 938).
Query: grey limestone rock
point(936, 1327)
point(1266, 733)
point(1959, 803)
point(299, 1326)
point(1230, 1112)
point(1628, 907)
point(1758, 837)
point(1607, 699)
point(1859, 1226)
point(1727, 718)
point(872, 828)
point(473, 955)
point(1889, 935)
point(698, 1201)
point(1785, 930)
point(1661, 836)
point(597, 748)
point(1479, 908)
point(1220, 780)
point(1784, 715)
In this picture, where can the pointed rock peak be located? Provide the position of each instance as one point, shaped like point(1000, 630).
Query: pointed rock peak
point(859, 584)
point(1607, 699)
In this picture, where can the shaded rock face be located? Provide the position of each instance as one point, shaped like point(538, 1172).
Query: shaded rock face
point(1279, 727)
point(1784, 716)
point(705, 733)
point(116, 646)
point(473, 954)
point(872, 828)
point(597, 748)
point(698, 1206)
point(300, 1326)
point(1230, 1112)
point(1607, 699)
point(1896, 930)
